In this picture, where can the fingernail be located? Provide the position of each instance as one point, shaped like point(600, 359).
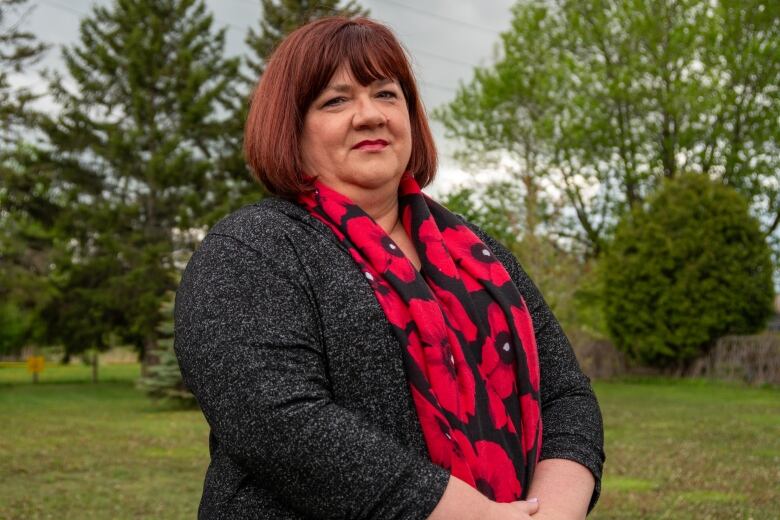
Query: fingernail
point(534, 499)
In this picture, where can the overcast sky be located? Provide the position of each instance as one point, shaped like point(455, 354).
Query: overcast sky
point(446, 39)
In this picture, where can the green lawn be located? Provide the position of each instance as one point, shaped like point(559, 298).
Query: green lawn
point(71, 449)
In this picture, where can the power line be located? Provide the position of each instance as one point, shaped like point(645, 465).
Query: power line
point(444, 58)
point(434, 85)
point(442, 18)
point(61, 7)
point(82, 14)
point(243, 30)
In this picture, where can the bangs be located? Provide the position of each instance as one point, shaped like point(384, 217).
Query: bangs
point(370, 54)
point(371, 58)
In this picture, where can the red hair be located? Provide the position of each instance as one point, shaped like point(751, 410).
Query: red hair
point(299, 70)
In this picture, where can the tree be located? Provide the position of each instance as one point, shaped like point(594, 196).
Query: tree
point(497, 208)
point(25, 233)
point(139, 150)
point(281, 17)
point(163, 380)
point(686, 268)
point(598, 101)
point(18, 49)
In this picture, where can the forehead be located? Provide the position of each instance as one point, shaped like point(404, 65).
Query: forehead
point(344, 78)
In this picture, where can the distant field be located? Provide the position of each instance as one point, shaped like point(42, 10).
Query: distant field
point(74, 450)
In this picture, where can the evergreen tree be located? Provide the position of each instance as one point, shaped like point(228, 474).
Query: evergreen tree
point(18, 50)
point(139, 149)
point(163, 380)
point(281, 17)
point(689, 266)
point(26, 213)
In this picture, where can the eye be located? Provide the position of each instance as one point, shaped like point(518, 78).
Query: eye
point(387, 94)
point(332, 102)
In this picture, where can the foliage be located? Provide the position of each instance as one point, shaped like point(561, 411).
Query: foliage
point(25, 240)
point(497, 208)
point(163, 379)
point(688, 267)
point(18, 50)
point(492, 207)
point(595, 102)
point(140, 151)
point(281, 17)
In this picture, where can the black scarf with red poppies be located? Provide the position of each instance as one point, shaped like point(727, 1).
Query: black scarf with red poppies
point(468, 341)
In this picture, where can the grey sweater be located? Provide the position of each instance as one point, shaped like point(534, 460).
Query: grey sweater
point(301, 380)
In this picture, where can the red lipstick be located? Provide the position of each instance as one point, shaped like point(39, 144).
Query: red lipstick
point(371, 145)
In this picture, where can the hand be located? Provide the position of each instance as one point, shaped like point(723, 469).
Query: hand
point(520, 510)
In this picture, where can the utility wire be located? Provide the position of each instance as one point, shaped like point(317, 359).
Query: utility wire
point(437, 16)
point(61, 7)
point(444, 58)
point(243, 30)
point(80, 14)
point(434, 85)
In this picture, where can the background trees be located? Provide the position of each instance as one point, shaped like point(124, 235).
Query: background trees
point(281, 17)
point(591, 106)
point(25, 205)
point(138, 149)
point(596, 102)
point(685, 268)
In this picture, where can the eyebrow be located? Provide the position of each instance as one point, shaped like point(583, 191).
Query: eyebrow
point(342, 87)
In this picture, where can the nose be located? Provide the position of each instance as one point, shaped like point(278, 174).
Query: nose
point(368, 114)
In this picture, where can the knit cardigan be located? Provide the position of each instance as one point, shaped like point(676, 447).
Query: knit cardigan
point(294, 365)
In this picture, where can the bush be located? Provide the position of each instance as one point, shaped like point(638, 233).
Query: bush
point(688, 267)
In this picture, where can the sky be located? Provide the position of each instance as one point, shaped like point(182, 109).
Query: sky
point(445, 38)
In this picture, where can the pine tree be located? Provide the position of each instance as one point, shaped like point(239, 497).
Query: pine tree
point(26, 213)
point(281, 17)
point(163, 380)
point(18, 49)
point(139, 147)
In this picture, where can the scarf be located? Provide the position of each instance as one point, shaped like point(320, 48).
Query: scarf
point(467, 338)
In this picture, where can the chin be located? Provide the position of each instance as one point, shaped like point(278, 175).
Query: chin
point(377, 179)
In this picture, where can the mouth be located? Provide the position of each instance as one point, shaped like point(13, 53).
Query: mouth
point(371, 145)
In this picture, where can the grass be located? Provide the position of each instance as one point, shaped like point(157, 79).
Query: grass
point(684, 449)
point(676, 449)
point(77, 450)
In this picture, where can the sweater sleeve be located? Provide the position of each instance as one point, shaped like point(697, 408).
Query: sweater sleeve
point(571, 419)
point(248, 342)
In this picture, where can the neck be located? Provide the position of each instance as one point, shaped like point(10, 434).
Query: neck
point(385, 213)
point(381, 203)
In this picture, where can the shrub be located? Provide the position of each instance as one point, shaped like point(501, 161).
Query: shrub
point(689, 266)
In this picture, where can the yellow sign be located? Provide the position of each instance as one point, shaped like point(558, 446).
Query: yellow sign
point(35, 364)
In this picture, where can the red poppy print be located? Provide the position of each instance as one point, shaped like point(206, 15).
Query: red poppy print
point(481, 262)
point(436, 430)
point(379, 249)
point(491, 468)
point(459, 336)
point(532, 425)
point(461, 319)
point(525, 330)
point(334, 204)
point(435, 251)
point(495, 468)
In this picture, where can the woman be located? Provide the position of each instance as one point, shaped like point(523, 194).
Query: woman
point(357, 350)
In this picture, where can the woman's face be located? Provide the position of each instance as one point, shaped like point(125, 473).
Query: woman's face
point(357, 138)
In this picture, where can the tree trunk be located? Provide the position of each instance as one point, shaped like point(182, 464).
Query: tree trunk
point(94, 366)
point(150, 357)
